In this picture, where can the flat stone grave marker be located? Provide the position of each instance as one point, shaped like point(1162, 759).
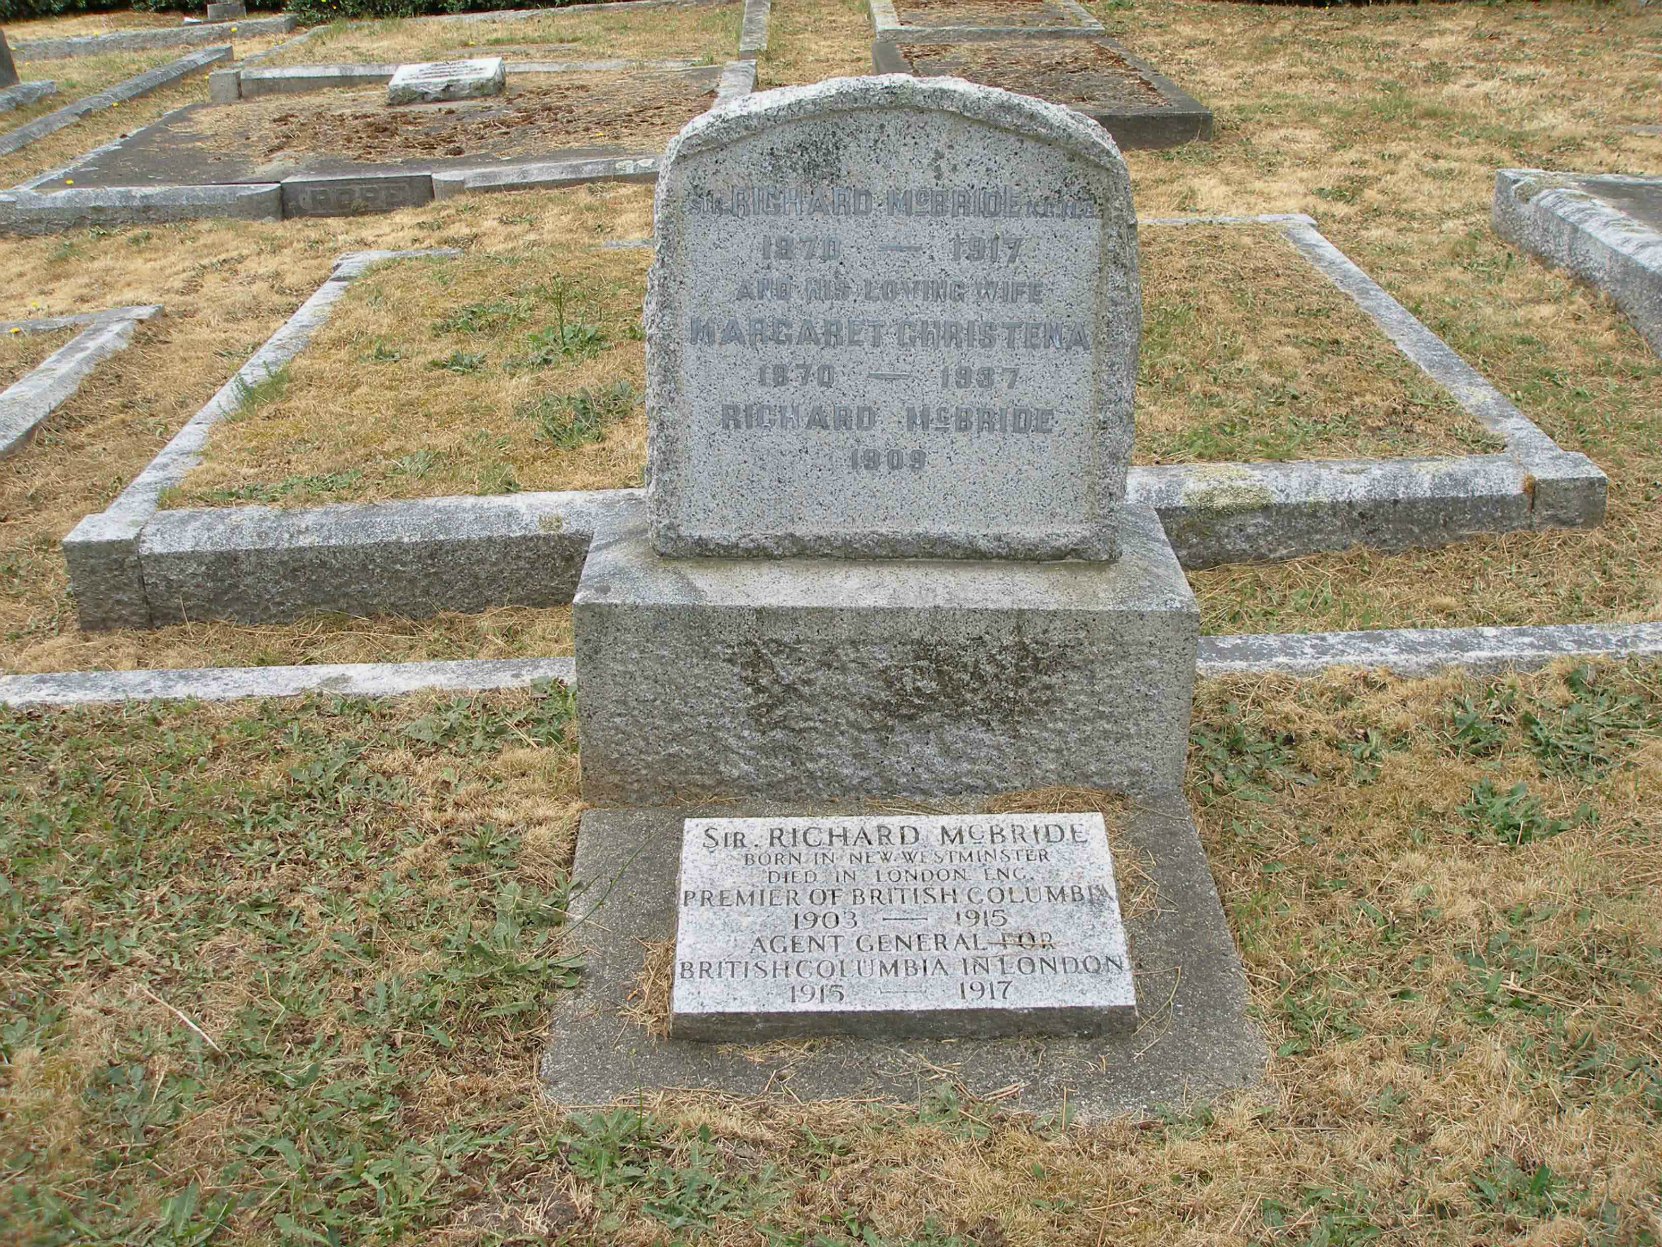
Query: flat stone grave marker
point(892, 318)
point(890, 927)
point(447, 80)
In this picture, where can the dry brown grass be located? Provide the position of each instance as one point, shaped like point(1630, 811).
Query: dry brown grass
point(79, 77)
point(21, 353)
point(1466, 1029)
point(73, 25)
point(700, 32)
point(1385, 122)
point(328, 438)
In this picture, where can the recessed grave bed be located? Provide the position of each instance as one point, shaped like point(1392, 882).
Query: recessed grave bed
point(137, 565)
point(1009, 18)
point(1249, 353)
point(344, 152)
point(1135, 103)
point(44, 361)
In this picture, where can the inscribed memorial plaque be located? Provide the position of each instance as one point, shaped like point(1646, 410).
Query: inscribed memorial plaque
point(892, 318)
point(904, 925)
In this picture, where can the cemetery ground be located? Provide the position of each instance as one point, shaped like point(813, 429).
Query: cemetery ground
point(1399, 175)
point(1443, 889)
point(281, 970)
point(79, 77)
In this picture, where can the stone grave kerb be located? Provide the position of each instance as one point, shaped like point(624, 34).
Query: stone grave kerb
point(765, 134)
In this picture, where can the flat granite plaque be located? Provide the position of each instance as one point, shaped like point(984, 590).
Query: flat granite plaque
point(447, 80)
point(889, 927)
point(891, 318)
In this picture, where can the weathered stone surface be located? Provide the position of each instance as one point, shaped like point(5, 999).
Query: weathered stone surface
point(707, 678)
point(447, 80)
point(891, 318)
point(1195, 1038)
point(8, 68)
point(1604, 228)
point(138, 40)
point(26, 403)
point(24, 94)
point(225, 86)
point(227, 11)
point(30, 212)
point(897, 926)
point(355, 194)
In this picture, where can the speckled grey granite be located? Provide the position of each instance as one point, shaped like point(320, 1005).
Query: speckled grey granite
point(430, 82)
point(893, 173)
point(140, 84)
point(390, 679)
point(23, 94)
point(102, 551)
point(414, 558)
point(27, 402)
point(297, 79)
point(811, 679)
point(1604, 228)
point(1195, 1040)
point(753, 33)
point(8, 70)
point(1423, 651)
point(34, 212)
point(141, 40)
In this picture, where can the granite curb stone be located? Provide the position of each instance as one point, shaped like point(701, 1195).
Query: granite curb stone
point(144, 40)
point(1561, 218)
point(25, 93)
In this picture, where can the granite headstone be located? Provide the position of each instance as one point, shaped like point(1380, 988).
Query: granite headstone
point(8, 69)
point(892, 318)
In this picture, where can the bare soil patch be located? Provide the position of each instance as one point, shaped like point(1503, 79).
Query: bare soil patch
point(535, 115)
point(1071, 72)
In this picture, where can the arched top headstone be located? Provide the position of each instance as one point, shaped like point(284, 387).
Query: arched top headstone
point(891, 318)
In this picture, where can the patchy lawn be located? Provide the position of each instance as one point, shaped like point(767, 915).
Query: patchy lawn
point(278, 972)
point(705, 32)
point(21, 353)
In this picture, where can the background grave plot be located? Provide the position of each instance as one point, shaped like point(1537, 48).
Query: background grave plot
point(44, 361)
point(144, 563)
point(77, 79)
point(1012, 18)
point(1093, 75)
point(509, 372)
point(345, 151)
point(705, 32)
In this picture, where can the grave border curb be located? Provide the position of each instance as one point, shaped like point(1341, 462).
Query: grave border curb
point(27, 403)
point(13, 141)
point(1549, 216)
point(1409, 653)
point(135, 565)
point(152, 40)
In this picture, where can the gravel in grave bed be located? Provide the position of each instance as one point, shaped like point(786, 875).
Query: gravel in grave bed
point(547, 113)
point(1075, 72)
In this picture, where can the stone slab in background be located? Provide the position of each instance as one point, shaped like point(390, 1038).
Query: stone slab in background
point(447, 80)
point(140, 40)
point(24, 94)
point(227, 11)
point(810, 679)
point(1604, 228)
point(891, 318)
point(1126, 96)
point(894, 927)
point(1195, 1039)
point(8, 69)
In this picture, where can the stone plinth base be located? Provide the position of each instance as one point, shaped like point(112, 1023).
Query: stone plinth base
point(797, 678)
